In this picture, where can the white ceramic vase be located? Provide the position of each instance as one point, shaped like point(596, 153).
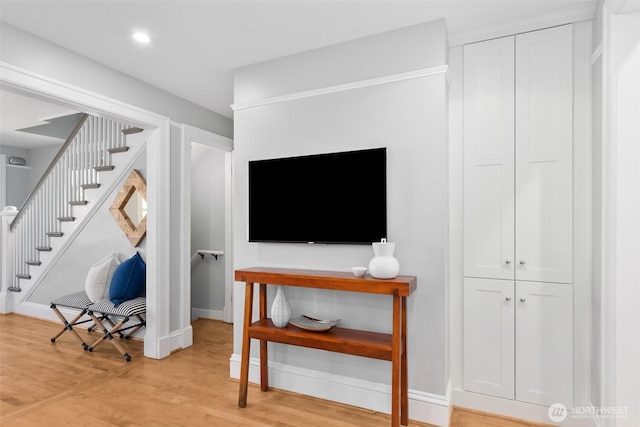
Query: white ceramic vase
point(280, 310)
point(384, 265)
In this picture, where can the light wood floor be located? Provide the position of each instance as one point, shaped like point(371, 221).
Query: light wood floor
point(60, 384)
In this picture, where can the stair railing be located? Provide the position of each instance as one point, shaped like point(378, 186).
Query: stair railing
point(75, 168)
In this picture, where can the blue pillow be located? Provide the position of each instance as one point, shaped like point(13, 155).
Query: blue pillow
point(129, 280)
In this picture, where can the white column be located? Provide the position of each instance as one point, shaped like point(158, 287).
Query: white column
point(6, 253)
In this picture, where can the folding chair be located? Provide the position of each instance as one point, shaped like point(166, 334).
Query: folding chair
point(76, 301)
point(127, 309)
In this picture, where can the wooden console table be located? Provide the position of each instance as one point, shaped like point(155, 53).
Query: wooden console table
point(392, 347)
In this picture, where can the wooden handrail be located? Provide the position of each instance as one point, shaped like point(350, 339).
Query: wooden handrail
point(51, 166)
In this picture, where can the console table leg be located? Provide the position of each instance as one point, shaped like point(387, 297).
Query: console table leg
point(396, 366)
point(404, 386)
point(264, 368)
point(246, 343)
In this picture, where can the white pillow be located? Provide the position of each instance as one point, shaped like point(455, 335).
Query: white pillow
point(99, 277)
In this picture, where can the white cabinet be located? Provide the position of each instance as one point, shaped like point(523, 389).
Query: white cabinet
point(544, 155)
point(544, 344)
point(518, 139)
point(489, 343)
point(489, 159)
point(518, 340)
point(518, 217)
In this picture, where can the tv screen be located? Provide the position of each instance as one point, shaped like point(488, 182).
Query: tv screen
point(324, 198)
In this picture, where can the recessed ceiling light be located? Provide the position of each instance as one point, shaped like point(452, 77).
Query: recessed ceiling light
point(141, 37)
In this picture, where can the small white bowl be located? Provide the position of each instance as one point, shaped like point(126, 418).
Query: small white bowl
point(359, 271)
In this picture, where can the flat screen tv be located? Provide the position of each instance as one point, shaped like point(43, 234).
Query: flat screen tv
point(325, 198)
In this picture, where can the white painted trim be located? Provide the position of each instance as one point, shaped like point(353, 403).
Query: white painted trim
point(185, 230)
point(597, 53)
point(228, 238)
point(582, 229)
point(608, 217)
point(425, 72)
point(423, 407)
point(507, 407)
point(3, 180)
point(157, 341)
point(192, 134)
point(90, 102)
point(159, 242)
point(520, 27)
point(181, 339)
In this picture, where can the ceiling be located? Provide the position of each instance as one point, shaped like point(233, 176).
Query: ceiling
point(196, 45)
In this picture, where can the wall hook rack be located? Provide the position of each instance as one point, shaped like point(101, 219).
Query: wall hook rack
point(215, 254)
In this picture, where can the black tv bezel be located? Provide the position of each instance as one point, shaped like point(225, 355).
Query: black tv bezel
point(381, 202)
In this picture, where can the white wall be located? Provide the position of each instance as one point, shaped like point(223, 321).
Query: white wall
point(616, 196)
point(596, 210)
point(626, 57)
point(20, 182)
point(17, 179)
point(409, 117)
point(39, 160)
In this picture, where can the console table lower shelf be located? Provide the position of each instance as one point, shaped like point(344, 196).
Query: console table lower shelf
point(391, 347)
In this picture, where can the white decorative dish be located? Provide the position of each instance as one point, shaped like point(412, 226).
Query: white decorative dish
point(359, 271)
point(310, 324)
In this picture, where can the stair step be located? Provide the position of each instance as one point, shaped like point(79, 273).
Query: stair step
point(14, 289)
point(130, 131)
point(34, 262)
point(55, 233)
point(44, 249)
point(23, 276)
point(90, 186)
point(78, 202)
point(103, 168)
point(118, 150)
point(66, 218)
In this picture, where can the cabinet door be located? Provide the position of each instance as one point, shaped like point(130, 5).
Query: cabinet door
point(544, 147)
point(489, 159)
point(544, 343)
point(488, 337)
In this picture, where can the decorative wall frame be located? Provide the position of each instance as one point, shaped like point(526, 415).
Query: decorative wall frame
point(129, 208)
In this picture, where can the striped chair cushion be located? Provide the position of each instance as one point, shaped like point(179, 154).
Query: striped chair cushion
point(78, 300)
point(127, 308)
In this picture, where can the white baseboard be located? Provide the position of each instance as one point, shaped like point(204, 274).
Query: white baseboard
point(6, 302)
point(182, 339)
point(516, 409)
point(197, 313)
point(423, 407)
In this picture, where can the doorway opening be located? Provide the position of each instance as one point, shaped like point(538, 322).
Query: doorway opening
point(206, 280)
point(207, 232)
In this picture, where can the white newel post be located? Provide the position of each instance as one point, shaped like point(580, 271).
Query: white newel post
point(6, 261)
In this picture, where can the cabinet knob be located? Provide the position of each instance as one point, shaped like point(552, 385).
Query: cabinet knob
point(522, 300)
point(522, 262)
point(507, 262)
point(507, 299)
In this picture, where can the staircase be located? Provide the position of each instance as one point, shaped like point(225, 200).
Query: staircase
point(59, 199)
